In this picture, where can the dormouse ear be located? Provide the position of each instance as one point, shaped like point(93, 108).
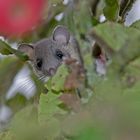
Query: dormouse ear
point(61, 34)
point(27, 49)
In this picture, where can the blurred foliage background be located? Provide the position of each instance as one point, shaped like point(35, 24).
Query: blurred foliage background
point(110, 105)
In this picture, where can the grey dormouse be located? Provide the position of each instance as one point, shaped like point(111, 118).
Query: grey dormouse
point(47, 54)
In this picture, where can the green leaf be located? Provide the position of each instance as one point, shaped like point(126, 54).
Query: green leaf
point(8, 70)
point(27, 114)
point(18, 102)
point(90, 133)
point(48, 110)
point(58, 80)
point(111, 10)
point(7, 136)
point(136, 25)
point(110, 34)
point(114, 37)
point(6, 49)
point(24, 124)
point(49, 106)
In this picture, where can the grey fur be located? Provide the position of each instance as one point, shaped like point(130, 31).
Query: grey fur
point(45, 50)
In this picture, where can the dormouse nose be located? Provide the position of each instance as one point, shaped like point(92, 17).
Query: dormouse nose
point(51, 71)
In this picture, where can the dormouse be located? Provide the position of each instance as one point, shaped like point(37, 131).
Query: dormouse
point(48, 54)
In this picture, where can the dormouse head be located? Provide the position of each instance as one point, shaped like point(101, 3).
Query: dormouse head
point(48, 54)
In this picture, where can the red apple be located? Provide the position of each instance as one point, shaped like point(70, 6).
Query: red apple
point(19, 16)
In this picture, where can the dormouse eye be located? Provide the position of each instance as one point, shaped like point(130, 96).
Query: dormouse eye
point(59, 54)
point(39, 63)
